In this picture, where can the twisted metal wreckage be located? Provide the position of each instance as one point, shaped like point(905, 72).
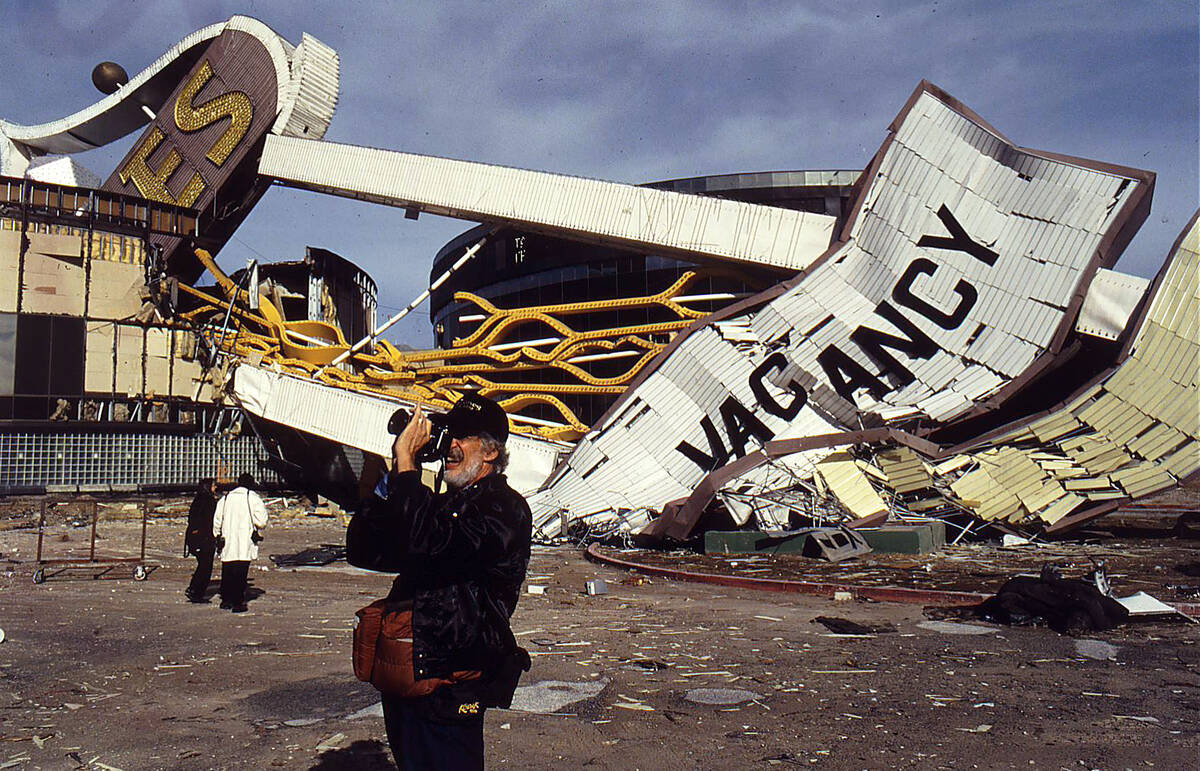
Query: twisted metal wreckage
point(959, 349)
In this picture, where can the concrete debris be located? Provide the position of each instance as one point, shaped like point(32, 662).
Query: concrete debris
point(550, 696)
point(331, 742)
point(720, 696)
point(950, 627)
point(595, 587)
point(842, 626)
point(375, 710)
point(1096, 649)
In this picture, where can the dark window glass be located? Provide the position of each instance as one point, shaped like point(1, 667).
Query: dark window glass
point(8, 352)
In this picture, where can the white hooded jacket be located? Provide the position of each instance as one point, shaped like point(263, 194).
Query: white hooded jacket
point(238, 513)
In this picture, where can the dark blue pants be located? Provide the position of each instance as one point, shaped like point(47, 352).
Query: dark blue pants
point(419, 744)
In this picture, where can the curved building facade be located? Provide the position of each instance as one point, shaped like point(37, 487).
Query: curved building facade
point(515, 269)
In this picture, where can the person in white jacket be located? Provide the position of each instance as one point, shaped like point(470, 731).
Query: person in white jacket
point(239, 516)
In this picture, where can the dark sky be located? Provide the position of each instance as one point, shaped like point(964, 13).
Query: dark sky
point(640, 91)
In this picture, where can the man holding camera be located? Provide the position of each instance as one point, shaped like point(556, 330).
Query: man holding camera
point(461, 558)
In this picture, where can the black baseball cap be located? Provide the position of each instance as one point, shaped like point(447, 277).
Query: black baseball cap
point(473, 415)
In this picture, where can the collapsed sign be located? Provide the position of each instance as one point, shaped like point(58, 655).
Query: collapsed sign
point(959, 274)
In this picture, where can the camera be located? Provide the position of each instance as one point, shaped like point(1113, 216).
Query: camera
point(439, 437)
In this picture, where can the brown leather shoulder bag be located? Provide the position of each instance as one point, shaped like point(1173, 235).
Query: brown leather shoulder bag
point(383, 652)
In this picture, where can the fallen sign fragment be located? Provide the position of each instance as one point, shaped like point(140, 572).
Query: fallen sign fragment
point(940, 301)
point(1142, 604)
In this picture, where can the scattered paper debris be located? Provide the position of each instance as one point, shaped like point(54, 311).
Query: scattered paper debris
point(1009, 540)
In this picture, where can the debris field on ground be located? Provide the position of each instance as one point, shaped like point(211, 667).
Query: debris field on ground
point(652, 673)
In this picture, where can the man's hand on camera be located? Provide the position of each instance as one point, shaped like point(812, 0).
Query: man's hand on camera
point(414, 437)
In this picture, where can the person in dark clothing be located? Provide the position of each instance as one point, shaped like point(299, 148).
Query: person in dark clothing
point(198, 540)
point(460, 559)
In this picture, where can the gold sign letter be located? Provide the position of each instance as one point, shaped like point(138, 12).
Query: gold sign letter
point(152, 183)
point(234, 105)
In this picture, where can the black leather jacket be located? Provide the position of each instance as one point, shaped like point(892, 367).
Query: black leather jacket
point(460, 558)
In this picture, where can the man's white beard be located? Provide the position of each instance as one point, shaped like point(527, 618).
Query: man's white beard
point(465, 473)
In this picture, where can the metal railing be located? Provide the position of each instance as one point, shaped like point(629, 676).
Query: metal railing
point(87, 208)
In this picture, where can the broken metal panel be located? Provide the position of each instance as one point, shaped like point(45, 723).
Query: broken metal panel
point(114, 289)
point(99, 354)
point(52, 280)
point(130, 346)
point(1133, 434)
point(835, 544)
point(951, 282)
point(849, 485)
point(158, 361)
point(186, 372)
point(603, 212)
point(1110, 301)
point(906, 471)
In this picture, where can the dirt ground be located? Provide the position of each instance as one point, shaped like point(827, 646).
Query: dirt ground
point(113, 673)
